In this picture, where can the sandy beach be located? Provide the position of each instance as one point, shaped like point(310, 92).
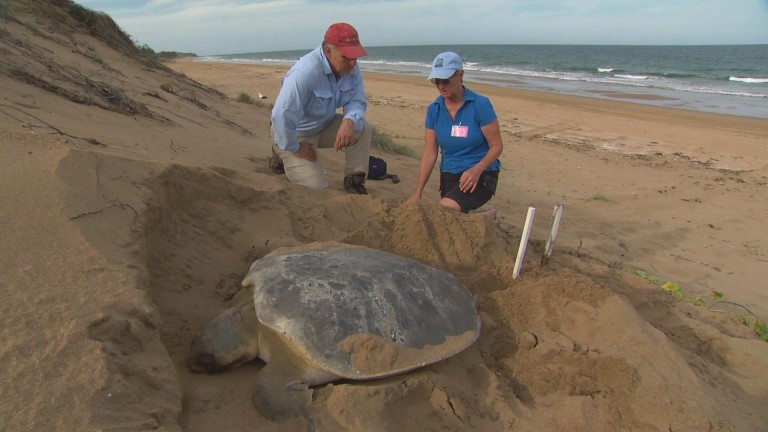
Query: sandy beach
point(137, 194)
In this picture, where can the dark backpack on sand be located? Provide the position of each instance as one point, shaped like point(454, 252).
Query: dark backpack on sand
point(377, 170)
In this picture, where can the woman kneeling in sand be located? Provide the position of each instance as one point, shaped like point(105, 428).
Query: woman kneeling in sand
point(463, 125)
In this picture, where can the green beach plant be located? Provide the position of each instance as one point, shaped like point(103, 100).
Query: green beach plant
point(761, 329)
point(246, 98)
point(710, 301)
point(673, 288)
point(384, 142)
point(598, 197)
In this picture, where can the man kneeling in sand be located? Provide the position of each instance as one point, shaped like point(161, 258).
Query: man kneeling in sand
point(304, 116)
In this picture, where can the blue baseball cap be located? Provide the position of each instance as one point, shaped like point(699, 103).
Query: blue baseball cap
point(445, 65)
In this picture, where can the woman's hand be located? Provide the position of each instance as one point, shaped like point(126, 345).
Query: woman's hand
point(469, 179)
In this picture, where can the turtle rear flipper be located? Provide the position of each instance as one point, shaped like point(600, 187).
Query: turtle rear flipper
point(282, 396)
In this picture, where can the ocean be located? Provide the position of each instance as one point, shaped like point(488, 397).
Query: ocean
point(727, 79)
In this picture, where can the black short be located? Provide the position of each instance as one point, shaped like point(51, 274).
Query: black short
point(486, 188)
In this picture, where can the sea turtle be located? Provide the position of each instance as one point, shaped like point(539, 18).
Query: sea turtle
point(341, 312)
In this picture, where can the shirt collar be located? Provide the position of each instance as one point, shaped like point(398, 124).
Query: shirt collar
point(326, 65)
point(469, 96)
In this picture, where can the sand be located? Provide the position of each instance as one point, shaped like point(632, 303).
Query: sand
point(134, 200)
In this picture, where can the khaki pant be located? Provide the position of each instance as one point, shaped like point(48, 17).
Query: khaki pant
point(310, 174)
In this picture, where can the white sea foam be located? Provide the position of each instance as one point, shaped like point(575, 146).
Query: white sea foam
point(471, 66)
point(393, 63)
point(638, 81)
point(633, 77)
point(214, 59)
point(604, 69)
point(749, 80)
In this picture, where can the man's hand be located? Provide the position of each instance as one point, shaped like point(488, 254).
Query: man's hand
point(306, 151)
point(346, 135)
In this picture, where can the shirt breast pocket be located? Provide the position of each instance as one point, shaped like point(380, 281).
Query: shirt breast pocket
point(322, 101)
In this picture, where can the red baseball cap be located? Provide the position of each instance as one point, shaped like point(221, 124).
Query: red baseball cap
point(344, 37)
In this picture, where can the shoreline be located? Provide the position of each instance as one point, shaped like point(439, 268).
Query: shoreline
point(735, 105)
point(622, 100)
point(617, 100)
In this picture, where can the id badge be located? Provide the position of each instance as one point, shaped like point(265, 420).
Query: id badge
point(459, 131)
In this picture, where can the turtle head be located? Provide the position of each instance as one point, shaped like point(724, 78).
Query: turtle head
point(226, 341)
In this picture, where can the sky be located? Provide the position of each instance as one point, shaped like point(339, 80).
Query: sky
point(211, 27)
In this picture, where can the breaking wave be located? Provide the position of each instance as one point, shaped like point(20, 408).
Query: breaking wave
point(748, 80)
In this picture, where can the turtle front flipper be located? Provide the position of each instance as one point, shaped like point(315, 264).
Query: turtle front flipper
point(281, 395)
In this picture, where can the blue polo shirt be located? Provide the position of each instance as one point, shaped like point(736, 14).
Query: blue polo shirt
point(461, 141)
point(309, 96)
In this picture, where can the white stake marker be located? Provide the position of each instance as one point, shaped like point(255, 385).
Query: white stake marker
point(523, 242)
point(557, 214)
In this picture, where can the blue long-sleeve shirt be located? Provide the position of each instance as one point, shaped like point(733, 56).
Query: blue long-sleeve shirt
point(309, 96)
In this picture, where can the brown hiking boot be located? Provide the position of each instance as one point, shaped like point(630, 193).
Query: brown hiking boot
point(355, 183)
point(275, 164)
